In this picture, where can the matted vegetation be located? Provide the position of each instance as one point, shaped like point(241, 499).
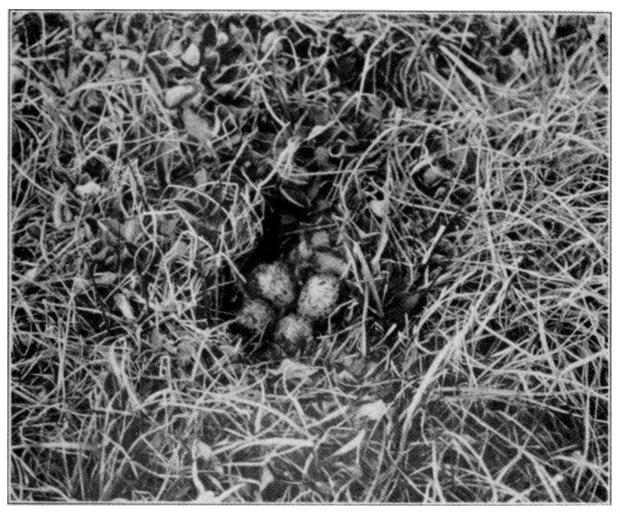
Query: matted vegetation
point(461, 161)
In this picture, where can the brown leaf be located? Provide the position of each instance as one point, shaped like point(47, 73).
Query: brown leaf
point(118, 69)
point(379, 208)
point(291, 369)
point(198, 127)
point(177, 94)
point(130, 230)
point(59, 212)
point(191, 56)
point(91, 188)
point(123, 305)
point(269, 40)
point(201, 177)
point(160, 36)
point(373, 411)
point(175, 48)
point(317, 130)
point(222, 39)
point(320, 239)
point(265, 479)
point(16, 73)
point(326, 262)
point(32, 274)
point(353, 444)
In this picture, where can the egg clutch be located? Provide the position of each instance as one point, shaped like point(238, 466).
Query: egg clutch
point(286, 302)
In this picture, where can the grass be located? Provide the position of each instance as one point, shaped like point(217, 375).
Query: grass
point(461, 160)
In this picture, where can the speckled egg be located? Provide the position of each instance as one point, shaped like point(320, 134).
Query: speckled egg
point(293, 332)
point(255, 315)
point(273, 282)
point(318, 296)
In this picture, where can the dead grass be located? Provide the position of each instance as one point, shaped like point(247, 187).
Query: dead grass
point(463, 162)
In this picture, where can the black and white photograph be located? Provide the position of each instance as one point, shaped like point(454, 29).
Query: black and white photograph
point(308, 257)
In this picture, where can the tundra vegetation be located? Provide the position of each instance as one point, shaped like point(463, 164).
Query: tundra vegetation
point(452, 171)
